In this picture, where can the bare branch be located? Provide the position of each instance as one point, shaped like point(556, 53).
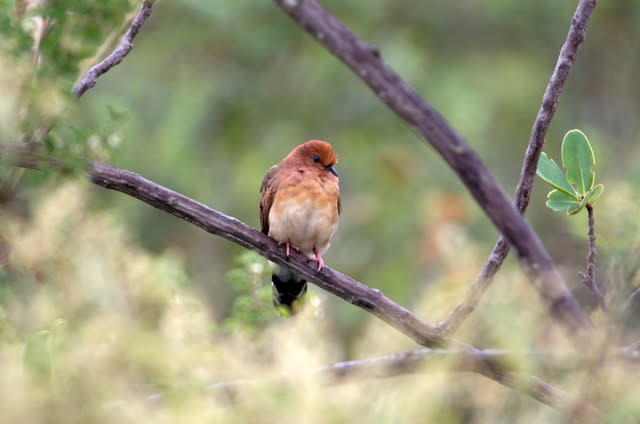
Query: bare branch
point(371, 300)
point(118, 54)
point(589, 279)
point(550, 100)
point(364, 60)
point(635, 295)
point(480, 361)
point(487, 363)
point(631, 351)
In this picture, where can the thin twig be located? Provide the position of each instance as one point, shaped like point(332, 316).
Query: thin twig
point(631, 351)
point(589, 279)
point(574, 39)
point(393, 365)
point(365, 61)
point(43, 30)
point(118, 54)
point(635, 294)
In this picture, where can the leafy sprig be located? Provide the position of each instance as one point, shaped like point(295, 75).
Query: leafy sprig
point(574, 190)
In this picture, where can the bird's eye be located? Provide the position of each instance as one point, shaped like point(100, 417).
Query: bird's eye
point(316, 158)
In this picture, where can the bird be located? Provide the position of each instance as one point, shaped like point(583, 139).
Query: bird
point(299, 208)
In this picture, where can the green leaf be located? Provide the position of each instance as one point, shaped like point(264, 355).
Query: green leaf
point(578, 160)
point(594, 194)
point(551, 173)
point(575, 209)
point(561, 201)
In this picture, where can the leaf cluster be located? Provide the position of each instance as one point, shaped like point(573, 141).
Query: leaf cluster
point(64, 31)
point(575, 189)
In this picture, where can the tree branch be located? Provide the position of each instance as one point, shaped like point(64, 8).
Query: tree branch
point(212, 221)
point(630, 352)
point(428, 123)
point(632, 298)
point(414, 361)
point(371, 300)
point(589, 279)
point(118, 54)
point(574, 39)
point(364, 60)
point(487, 363)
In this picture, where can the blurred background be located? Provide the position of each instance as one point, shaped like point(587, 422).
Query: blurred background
point(212, 95)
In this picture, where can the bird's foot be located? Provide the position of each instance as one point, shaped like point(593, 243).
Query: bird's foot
point(288, 246)
point(317, 258)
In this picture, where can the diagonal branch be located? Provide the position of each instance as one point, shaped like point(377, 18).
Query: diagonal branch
point(118, 54)
point(212, 221)
point(371, 300)
point(364, 60)
point(550, 99)
point(427, 122)
point(487, 363)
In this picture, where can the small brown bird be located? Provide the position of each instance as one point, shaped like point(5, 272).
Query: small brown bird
point(299, 208)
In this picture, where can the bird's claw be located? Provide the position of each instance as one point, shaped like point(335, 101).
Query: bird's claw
point(288, 245)
point(317, 258)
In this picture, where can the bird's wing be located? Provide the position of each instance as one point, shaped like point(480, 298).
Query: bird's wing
point(339, 205)
point(268, 190)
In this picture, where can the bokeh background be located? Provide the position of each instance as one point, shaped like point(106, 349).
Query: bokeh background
point(213, 94)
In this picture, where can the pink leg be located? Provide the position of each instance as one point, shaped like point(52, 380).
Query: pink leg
point(317, 258)
point(288, 245)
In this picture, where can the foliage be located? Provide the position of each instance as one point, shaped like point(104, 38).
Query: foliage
point(113, 311)
point(48, 43)
point(93, 328)
point(251, 308)
point(574, 190)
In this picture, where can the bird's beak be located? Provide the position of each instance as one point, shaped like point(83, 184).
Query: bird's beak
point(331, 169)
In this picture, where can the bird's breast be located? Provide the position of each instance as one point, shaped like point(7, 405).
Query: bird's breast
point(306, 215)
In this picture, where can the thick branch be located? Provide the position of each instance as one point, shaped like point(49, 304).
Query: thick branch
point(118, 54)
point(371, 300)
point(550, 99)
point(365, 61)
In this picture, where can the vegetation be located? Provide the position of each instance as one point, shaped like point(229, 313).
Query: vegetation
point(111, 310)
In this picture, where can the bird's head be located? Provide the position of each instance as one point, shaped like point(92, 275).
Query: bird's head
point(316, 154)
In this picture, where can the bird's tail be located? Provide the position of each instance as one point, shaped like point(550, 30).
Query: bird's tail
point(288, 289)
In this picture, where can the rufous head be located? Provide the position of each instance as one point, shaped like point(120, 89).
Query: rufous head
point(315, 154)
